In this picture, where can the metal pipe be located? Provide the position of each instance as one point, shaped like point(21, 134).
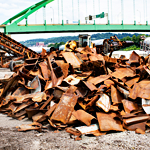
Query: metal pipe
point(111, 11)
point(53, 14)
point(94, 9)
point(62, 11)
point(44, 15)
point(58, 13)
point(122, 11)
point(134, 12)
point(78, 13)
point(108, 12)
point(86, 10)
point(118, 16)
point(35, 17)
point(99, 8)
point(72, 10)
point(26, 21)
point(146, 13)
point(144, 10)
point(140, 15)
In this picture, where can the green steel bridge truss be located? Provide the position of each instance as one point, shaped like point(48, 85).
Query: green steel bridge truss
point(11, 26)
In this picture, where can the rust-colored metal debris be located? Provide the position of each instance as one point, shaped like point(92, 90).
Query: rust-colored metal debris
point(92, 93)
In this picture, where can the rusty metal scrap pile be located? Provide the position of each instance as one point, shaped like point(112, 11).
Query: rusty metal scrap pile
point(81, 91)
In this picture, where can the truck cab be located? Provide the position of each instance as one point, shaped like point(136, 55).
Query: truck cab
point(84, 40)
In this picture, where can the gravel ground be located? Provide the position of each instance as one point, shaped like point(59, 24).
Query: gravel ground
point(11, 139)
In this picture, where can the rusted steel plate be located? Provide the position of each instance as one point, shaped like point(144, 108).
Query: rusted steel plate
point(140, 131)
point(136, 119)
point(34, 73)
point(132, 81)
point(92, 101)
point(72, 80)
point(21, 91)
point(99, 79)
point(83, 57)
point(135, 126)
point(46, 103)
point(90, 85)
point(120, 73)
point(134, 57)
point(64, 66)
point(71, 58)
point(115, 95)
point(65, 107)
point(43, 53)
point(57, 93)
point(83, 116)
point(123, 91)
point(108, 83)
point(27, 127)
point(53, 76)
point(82, 91)
point(96, 57)
point(37, 116)
point(51, 109)
point(44, 70)
point(49, 84)
point(19, 115)
point(72, 120)
point(12, 107)
point(72, 89)
point(141, 90)
point(32, 111)
point(11, 82)
point(92, 129)
point(109, 59)
point(114, 108)
point(36, 85)
point(73, 131)
point(36, 97)
point(129, 106)
point(22, 106)
point(104, 103)
point(108, 123)
point(147, 69)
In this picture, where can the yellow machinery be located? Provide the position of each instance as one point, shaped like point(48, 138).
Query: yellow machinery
point(84, 40)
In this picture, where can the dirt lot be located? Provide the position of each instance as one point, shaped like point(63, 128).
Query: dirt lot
point(11, 139)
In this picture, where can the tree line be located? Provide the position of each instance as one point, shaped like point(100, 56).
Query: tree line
point(63, 39)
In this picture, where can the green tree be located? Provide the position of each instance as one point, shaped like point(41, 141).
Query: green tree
point(134, 38)
point(128, 38)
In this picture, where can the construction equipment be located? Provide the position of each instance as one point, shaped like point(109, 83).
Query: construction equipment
point(84, 40)
point(15, 49)
point(109, 45)
point(102, 46)
point(145, 43)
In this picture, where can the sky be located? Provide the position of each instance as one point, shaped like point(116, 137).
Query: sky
point(10, 8)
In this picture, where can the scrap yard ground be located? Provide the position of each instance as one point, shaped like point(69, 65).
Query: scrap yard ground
point(11, 139)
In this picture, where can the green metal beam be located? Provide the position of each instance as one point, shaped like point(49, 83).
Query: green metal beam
point(76, 28)
point(14, 28)
point(27, 12)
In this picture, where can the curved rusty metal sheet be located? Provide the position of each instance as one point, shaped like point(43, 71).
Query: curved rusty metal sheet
point(65, 108)
point(108, 123)
point(83, 116)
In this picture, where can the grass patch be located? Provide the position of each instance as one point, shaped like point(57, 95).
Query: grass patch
point(133, 47)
